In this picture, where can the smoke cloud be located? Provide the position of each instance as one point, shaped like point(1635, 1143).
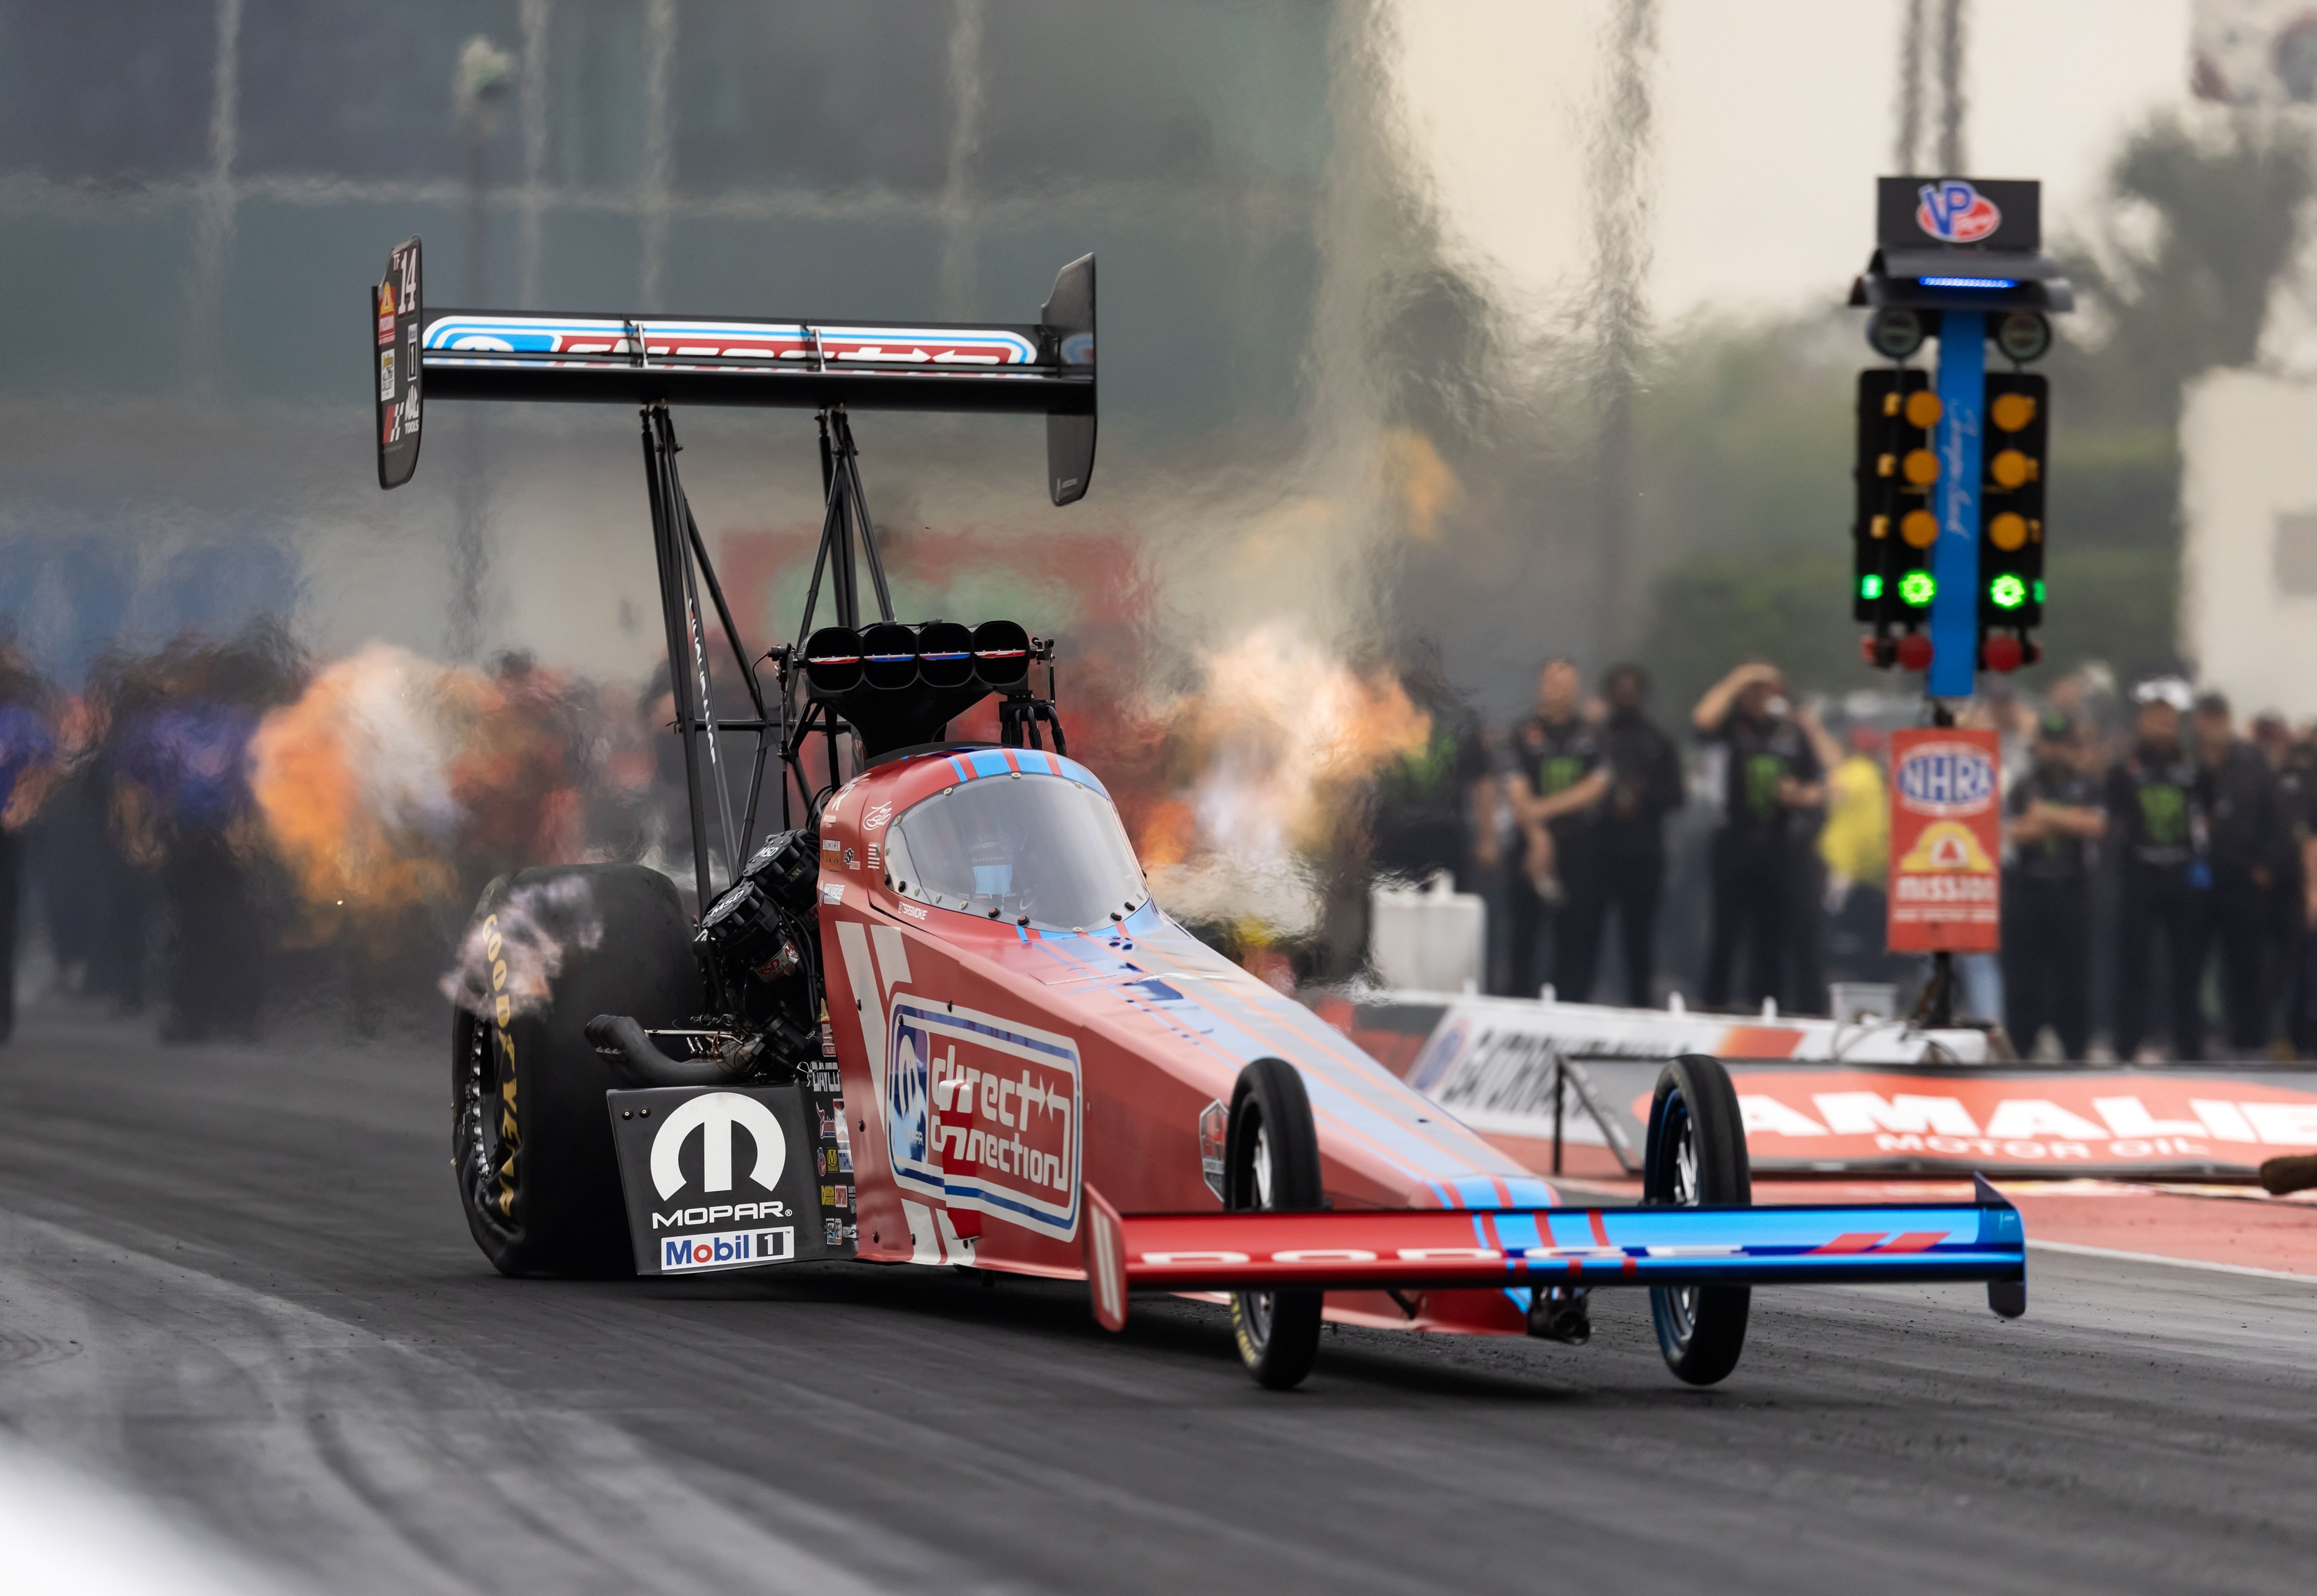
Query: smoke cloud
point(509, 960)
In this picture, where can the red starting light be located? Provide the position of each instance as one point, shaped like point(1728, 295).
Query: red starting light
point(1878, 652)
point(1914, 652)
point(2004, 654)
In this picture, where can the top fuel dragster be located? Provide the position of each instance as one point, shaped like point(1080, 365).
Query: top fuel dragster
point(934, 1016)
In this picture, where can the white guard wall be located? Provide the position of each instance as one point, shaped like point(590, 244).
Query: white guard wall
point(2249, 550)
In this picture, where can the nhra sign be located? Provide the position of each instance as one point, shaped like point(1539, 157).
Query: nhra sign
point(984, 1115)
point(1946, 839)
point(718, 1177)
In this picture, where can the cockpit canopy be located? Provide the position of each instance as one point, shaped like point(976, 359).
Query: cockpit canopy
point(1044, 850)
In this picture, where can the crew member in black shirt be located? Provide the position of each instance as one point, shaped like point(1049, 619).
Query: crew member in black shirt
point(1773, 778)
point(1436, 805)
point(1557, 786)
point(2248, 833)
point(2157, 808)
point(2055, 819)
point(2288, 916)
point(1629, 875)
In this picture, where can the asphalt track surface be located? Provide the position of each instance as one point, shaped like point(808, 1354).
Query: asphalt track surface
point(236, 1282)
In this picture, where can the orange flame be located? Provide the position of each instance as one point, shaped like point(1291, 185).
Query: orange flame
point(391, 768)
point(352, 782)
point(1266, 756)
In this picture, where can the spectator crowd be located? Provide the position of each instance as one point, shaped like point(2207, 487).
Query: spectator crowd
point(158, 871)
point(2160, 856)
point(2160, 860)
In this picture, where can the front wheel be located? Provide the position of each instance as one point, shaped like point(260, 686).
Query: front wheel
point(1696, 1158)
point(1271, 1160)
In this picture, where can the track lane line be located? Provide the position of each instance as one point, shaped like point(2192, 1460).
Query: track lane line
point(2079, 1250)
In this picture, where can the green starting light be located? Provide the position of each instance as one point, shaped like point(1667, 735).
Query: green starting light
point(1917, 587)
point(2039, 590)
point(2007, 592)
point(1870, 587)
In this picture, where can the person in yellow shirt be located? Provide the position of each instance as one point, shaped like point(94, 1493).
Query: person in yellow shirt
point(1856, 841)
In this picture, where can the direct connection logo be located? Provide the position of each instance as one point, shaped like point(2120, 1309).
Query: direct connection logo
point(1946, 778)
point(985, 1115)
point(1955, 212)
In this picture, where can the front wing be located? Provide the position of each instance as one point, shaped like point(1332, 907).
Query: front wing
point(1437, 1248)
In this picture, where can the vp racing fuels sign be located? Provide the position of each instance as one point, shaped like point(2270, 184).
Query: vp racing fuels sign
point(1957, 213)
point(718, 1177)
point(985, 1115)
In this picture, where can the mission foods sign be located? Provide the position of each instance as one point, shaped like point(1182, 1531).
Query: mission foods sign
point(1946, 839)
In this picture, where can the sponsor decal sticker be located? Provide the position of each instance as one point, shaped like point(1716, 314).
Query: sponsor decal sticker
point(733, 1213)
point(728, 1249)
point(984, 1113)
point(1440, 1055)
point(1955, 212)
point(1946, 885)
point(875, 819)
point(718, 1117)
point(1214, 1136)
point(727, 1169)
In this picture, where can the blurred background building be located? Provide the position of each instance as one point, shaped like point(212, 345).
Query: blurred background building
point(1438, 336)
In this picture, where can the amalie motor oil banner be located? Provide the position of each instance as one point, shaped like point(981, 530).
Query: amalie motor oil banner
point(2061, 1120)
point(1946, 840)
point(1822, 1098)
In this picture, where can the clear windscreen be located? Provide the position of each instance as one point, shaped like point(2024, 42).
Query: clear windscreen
point(1040, 848)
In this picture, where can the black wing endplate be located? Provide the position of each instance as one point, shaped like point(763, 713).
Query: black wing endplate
point(1046, 367)
point(396, 310)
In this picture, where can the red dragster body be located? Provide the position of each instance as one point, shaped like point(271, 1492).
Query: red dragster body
point(992, 1068)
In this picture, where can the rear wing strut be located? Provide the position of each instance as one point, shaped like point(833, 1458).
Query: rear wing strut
point(1040, 368)
point(1045, 367)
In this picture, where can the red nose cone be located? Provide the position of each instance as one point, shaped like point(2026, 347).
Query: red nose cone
point(2004, 654)
point(1914, 652)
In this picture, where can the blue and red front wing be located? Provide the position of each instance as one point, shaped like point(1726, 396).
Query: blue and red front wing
point(1435, 1249)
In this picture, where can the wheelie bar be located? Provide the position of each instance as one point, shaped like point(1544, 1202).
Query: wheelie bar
point(1420, 1249)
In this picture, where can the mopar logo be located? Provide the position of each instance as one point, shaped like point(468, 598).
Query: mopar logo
point(1955, 212)
point(715, 1116)
point(1944, 777)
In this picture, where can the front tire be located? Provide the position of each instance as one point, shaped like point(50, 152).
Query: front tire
point(1696, 1158)
point(1271, 1160)
point(531, 1138)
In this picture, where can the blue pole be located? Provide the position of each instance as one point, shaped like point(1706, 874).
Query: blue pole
point(1955, 559)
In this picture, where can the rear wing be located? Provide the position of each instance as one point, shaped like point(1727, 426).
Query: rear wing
point(1045, 367)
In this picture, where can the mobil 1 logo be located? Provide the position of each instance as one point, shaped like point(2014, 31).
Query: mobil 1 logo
point(718, 1177)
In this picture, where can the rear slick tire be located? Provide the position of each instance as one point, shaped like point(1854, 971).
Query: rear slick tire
point(531, 1138)
point(1696, 1157)
point(1271, 1160)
